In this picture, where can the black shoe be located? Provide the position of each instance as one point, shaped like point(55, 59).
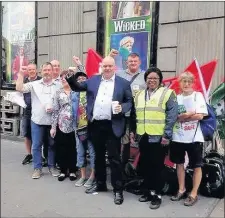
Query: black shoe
point(44, 162)
point(72, 176)
point(61, 177)
point(57, 166)
point(118, 199)
point(96, 188)
point(27, 159)
point(145, 198)
point(155, 202)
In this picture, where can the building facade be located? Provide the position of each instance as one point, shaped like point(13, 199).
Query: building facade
point(185, 30)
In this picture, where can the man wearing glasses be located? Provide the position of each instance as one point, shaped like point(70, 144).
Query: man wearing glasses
point(42, 92)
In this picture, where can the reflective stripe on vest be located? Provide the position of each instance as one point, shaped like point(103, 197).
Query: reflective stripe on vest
point(151, 113)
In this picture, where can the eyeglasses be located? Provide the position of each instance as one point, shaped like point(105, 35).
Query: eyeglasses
point(153, 78)
point(186, 81)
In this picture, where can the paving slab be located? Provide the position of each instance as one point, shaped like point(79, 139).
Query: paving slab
point(22, 196)
point(218, 211)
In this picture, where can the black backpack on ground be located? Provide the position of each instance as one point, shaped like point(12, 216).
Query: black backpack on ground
point(134, 186)
point(171, 181)
point(213, 175)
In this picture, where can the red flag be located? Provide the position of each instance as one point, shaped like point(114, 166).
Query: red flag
point(169, 80)
point(168, 162)
point(175, 86)
point(92, 62)
point(208, 70)
point(194, 69)
point(172, 83)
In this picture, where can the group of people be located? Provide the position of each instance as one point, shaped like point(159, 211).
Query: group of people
point(72, 113)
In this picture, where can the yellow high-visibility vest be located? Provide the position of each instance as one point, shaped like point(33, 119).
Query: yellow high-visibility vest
point(151, 114)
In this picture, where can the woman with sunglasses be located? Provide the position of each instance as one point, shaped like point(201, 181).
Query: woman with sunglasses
point(65, 105)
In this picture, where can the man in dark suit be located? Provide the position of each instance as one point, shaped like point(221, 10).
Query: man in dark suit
point(106, 123)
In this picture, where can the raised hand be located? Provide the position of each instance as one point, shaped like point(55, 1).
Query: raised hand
point(76, 60)
point(23, 70)
point(113, 53)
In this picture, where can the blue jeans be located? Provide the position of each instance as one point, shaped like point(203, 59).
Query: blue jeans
point(82, 147)
point(37, 132)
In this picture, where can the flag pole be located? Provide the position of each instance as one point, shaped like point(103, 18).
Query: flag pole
point(210, 85)
point(201, 80)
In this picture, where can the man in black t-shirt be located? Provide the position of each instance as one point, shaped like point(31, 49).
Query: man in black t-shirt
point(26, 120)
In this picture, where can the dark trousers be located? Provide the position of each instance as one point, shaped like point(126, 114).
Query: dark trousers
point(125, 151)
point(125, 154)
point(66, 151)
point(152, 156)
point(103, 139)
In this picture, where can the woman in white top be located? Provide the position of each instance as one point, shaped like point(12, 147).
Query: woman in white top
point(188, 137)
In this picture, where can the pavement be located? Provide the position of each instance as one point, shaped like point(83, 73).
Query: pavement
point(23, 197)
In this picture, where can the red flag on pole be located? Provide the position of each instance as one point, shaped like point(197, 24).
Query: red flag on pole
point(168, 81)
point(203, 77)
point(92, 62)
point(208, 70)
point(199, 84)
point(175, 84)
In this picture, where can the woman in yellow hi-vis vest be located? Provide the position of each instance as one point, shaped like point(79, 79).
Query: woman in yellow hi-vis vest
point(155, 115)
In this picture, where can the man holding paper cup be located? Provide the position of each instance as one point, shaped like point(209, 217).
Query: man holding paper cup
point(109, 97)
point(42, 92)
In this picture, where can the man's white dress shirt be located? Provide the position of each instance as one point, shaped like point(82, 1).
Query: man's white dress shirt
point(103, 102)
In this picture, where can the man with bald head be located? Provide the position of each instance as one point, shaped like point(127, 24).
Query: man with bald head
point(56, 70)
point(109, 97)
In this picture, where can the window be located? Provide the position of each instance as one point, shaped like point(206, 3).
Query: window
point(18, 39)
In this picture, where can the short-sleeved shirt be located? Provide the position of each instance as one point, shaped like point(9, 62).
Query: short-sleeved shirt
point(41, 95)
point(136, 85)
point(189, 132)
point(27, 99)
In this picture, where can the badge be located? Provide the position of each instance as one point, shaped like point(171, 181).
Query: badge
point(135, 87)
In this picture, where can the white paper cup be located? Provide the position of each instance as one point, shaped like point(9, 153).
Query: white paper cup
point(114, 104)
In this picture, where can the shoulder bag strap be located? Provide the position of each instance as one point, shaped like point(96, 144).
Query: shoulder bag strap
point(134, 77)
point(198, 121)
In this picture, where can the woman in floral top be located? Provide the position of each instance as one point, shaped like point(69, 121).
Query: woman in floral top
point(65, 104)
